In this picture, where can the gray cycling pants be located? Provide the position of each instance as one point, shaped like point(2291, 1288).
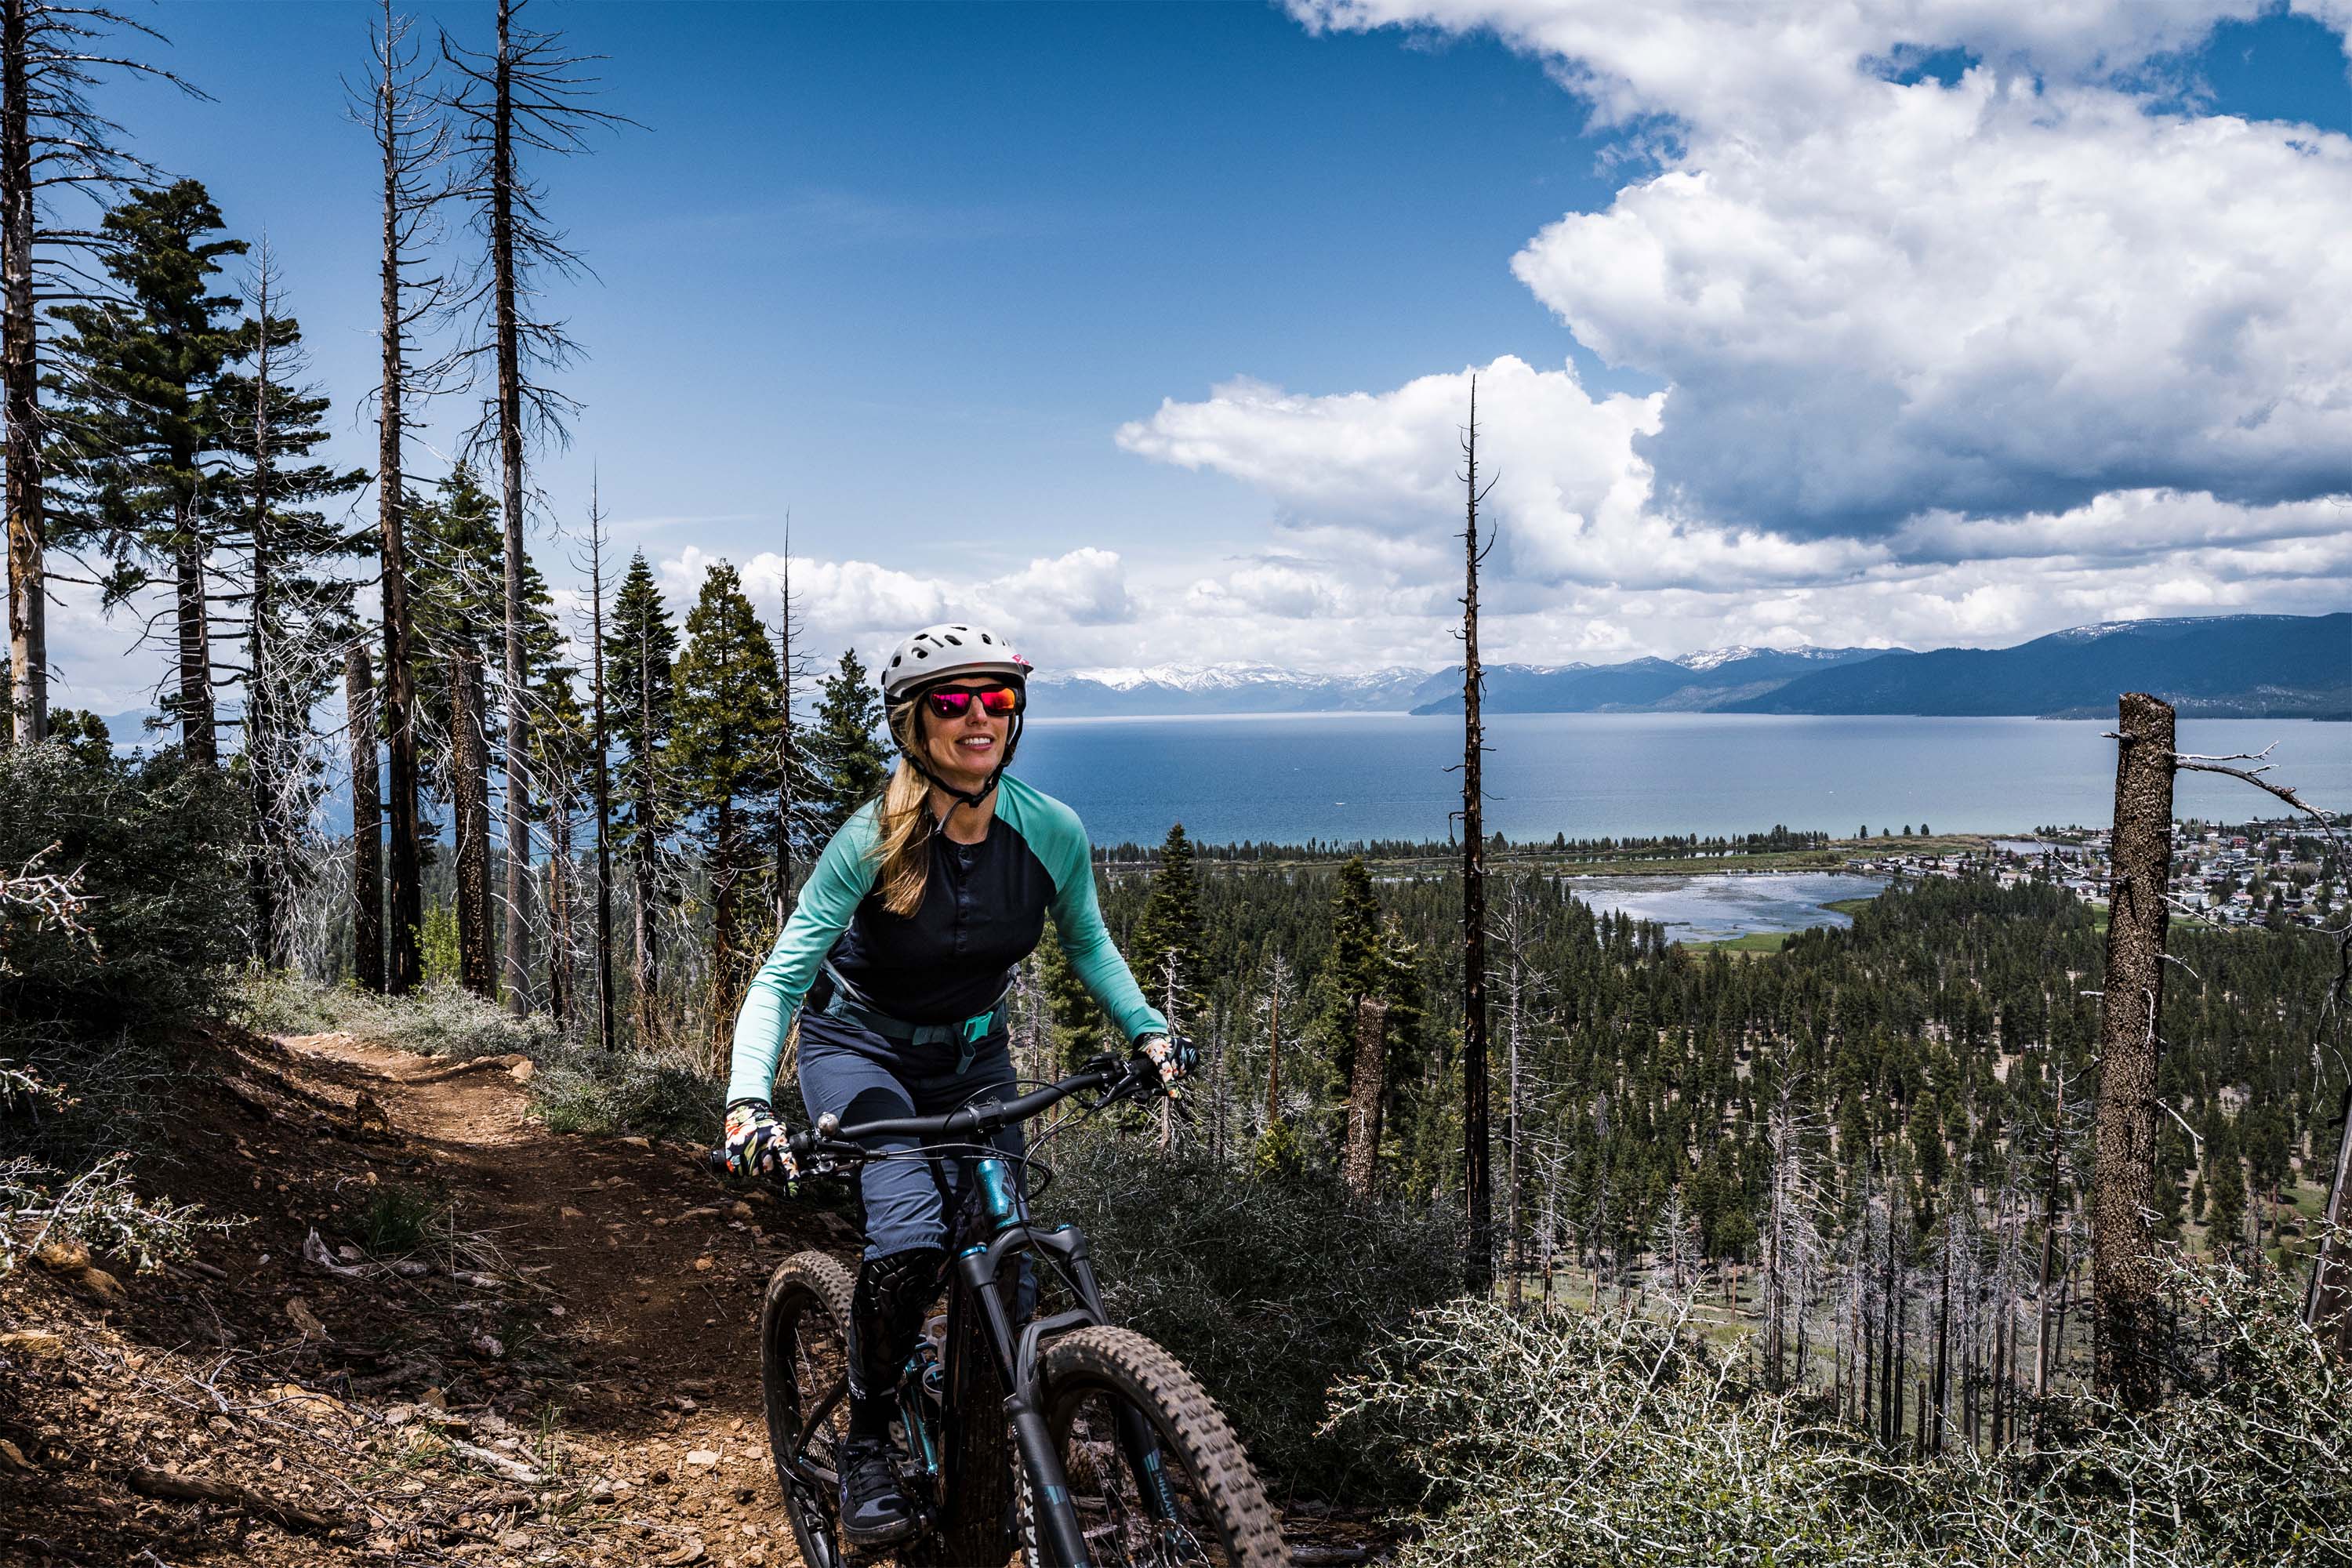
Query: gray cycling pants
point(859, 1076)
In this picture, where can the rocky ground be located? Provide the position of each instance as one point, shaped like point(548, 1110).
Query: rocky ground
point(435, 1333)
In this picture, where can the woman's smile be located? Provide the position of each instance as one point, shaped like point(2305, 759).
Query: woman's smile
point(964, 749)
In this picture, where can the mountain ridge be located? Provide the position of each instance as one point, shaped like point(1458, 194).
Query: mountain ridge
point(2249, 666)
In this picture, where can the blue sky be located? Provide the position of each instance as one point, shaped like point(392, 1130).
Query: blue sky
point(1141, 329)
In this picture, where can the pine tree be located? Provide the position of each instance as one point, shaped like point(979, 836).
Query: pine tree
point(1077, 1021)
point(640, 645)
point(1169, 946)
point(848, 717)
point(727, 721)
point(142, 423)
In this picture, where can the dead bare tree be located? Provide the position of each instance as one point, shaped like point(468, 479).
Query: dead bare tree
point(53, 140)
point(2053, 1180)
point(470, 822)
point(1277, 981)
point(524, 95)
point(792, 667)
point(412, 139)
point(367, 826)
point(600, 744)
point(2128, 1355)
point(1518, 925)
point(1793, 1248)
point(1478, 1257)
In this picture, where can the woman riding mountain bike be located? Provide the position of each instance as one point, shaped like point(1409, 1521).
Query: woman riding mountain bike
point(903, 945)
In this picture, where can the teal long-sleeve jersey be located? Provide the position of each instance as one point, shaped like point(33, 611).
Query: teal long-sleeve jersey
point(983, 910)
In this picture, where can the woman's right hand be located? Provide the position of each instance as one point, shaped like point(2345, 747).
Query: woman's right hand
point(755, 1143)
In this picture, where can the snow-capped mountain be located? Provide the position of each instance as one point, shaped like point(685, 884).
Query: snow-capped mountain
point(1228, 688)
point(1714, 658)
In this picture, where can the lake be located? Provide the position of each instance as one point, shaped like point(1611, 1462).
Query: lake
point(1294, 776)
point(1716, 908)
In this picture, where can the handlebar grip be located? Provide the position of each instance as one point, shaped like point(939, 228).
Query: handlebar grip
point(715, 1162)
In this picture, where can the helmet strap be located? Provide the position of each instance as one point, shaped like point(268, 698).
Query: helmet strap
point(967, 796)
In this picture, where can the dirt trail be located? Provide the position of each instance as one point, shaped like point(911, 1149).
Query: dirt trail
point(581, 1309)
point(564, 1368)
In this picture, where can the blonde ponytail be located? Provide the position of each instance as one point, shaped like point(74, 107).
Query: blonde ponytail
point(903, 843)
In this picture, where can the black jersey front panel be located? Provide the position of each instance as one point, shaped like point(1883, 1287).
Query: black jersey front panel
point(982, 912)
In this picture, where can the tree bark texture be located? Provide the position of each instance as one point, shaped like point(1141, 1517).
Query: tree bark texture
point(2127, 1326)
point(647, 947)
point(20, 386)
point(405, 971)
point(603, 742)
point(367, 812)
point(198, 737)
point(1478, 1257)
point(470, 789)
point(1363, 1169)
point(510, 397)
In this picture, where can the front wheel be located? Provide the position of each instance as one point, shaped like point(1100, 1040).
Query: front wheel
point(1156, 1476)
point(805, 1375)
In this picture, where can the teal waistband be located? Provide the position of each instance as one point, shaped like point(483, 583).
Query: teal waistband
point(967, 1033)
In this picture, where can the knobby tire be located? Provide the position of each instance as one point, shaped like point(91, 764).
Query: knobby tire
point(1226, 1520)
point(807, 1290)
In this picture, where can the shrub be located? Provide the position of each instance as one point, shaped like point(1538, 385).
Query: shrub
point(1266, 1288)
point(581, 1088)
point(158, 846)
point(1575, 1437)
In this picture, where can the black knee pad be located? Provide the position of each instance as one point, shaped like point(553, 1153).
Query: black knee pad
point(902, 1284)
point(886, 1313)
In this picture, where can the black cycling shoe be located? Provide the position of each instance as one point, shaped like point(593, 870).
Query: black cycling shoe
point(875, 1512)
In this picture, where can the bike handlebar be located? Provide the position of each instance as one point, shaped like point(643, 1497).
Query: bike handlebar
point(829, 1138)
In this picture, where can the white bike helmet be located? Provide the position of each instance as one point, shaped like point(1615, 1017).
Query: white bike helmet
point(942, 652)
point(945, 653)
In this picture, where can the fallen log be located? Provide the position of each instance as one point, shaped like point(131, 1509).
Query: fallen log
point(170, 1486)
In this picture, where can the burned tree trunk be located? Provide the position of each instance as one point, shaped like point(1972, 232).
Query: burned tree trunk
point(367, 847)
point(2127, 1324)
point(508, 355)
point(192, 703)
point(1478, 1257)
point(647, 949)
point(20, 383)
point(601, 740)
point(1364, 1097)
point(471, 791)
point(411, 143)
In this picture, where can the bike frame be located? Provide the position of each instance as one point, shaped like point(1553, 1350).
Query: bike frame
point(973, 1286)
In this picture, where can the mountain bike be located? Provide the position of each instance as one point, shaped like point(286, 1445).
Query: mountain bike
point(1063, 1436)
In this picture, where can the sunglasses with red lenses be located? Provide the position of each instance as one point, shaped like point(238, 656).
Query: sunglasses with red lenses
point(950, 701)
